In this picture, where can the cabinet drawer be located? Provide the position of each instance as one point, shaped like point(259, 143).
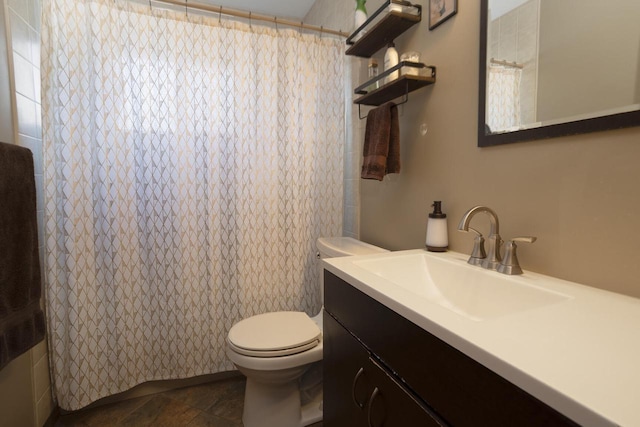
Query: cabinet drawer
point(459, 389)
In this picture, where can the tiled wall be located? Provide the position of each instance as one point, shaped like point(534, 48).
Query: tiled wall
point(22, 19)
point(339, 15)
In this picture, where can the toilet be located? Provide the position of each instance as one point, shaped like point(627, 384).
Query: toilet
point(280, 353)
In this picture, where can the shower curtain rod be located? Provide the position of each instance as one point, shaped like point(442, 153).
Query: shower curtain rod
point(252, 16)
point(506, 63)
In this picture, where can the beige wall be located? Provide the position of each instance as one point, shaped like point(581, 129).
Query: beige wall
point(579, 195)
point(637, 100)
point(25, 388)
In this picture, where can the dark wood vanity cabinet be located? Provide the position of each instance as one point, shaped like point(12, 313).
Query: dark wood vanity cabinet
point(380, 369)
point(361, 392)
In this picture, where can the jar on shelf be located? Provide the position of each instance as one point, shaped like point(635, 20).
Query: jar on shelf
point(410, 57)
point(373, 72)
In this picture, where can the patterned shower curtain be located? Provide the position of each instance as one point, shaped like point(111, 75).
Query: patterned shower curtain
point(190, 164)
point(503, 97)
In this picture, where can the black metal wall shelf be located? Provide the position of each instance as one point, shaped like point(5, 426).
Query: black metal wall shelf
point(393, 18)
point(400, 87)
point(384, 31)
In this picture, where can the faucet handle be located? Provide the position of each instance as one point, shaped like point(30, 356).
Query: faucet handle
point(510, 264)
point(525, 239)
point(478, 253)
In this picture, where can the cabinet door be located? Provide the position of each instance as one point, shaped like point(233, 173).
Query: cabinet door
point(358, 391)
point(346, 388)
point(391, 404)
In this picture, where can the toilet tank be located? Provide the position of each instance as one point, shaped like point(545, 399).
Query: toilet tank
point(333, 247)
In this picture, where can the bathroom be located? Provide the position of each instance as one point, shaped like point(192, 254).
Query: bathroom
point(577, 194)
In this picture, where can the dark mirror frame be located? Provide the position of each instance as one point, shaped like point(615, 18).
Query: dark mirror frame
point(613, 121)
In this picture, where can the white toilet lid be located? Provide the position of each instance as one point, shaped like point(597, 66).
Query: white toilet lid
point(274, 334)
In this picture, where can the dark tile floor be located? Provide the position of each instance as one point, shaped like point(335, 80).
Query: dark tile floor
point(214, 404)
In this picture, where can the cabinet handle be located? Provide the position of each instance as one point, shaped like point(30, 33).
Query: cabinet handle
point(375, 393)
point(353, 389)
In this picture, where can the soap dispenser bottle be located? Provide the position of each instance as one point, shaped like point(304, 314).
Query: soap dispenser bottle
point(437, 239)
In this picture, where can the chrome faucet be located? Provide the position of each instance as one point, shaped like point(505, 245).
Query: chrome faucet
point(493, 258)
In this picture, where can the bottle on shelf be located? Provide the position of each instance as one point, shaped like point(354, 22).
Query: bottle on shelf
point(390, 61)
point(360, 18)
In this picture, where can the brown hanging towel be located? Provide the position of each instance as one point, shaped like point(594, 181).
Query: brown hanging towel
point(381, 143)
point(21, 318)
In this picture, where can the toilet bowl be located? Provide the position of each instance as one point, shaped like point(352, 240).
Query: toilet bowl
point(280, 353)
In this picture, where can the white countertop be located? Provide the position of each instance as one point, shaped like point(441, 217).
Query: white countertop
point(580, 356)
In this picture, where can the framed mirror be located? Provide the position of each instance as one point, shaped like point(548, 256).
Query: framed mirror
point(550, 68)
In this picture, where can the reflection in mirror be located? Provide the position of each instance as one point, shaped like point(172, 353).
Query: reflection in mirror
point(549, 67)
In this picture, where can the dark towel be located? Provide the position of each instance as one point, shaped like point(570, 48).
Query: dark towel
point(21, 318)
point(381, 143)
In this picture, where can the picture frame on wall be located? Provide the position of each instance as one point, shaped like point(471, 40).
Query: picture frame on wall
point(440, 11)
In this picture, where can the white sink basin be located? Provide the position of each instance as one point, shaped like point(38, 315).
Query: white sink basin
point(466, 290)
